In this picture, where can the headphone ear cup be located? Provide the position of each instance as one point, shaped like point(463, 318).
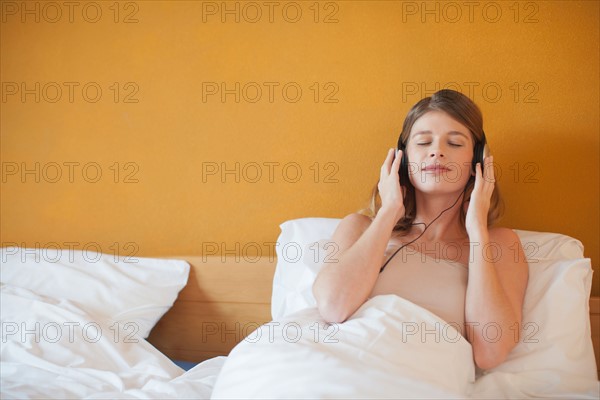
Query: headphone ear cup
point(403, 173)
point(485, 153)
point(477, 157)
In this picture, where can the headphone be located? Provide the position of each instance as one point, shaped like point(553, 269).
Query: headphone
point(480, 151)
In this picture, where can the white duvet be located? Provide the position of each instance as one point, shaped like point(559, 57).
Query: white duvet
point(374, 354)
point(390, 348)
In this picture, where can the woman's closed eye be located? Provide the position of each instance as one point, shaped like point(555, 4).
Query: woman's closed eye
point(451, 144)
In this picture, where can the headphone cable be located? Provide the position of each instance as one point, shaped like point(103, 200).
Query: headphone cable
point(426, 226)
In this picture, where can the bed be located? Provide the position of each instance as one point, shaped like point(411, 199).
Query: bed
point(79, 324)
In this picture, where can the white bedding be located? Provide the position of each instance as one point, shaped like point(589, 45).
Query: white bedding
point(377, 354)
point(374, 354)
point(53, 349)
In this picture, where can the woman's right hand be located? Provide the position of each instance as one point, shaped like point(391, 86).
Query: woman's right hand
point(390, 191)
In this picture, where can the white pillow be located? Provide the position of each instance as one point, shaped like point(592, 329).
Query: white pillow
point(547, 245)
point(296, 251)
point(138, 291)
point(556, 333)
point(556, 300)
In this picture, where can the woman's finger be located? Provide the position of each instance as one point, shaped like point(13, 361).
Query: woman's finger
point(398, 159)
point(387, 163)
point(399, 155)
point(489, 169)
point(478, 177)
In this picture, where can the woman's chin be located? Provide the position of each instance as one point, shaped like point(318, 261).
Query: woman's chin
point(441, 188)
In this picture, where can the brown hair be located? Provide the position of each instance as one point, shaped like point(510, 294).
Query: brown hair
point(463, 110)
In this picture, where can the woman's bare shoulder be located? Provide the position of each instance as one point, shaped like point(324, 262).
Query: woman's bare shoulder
point(350, 228)
point(507, 241)
point(503, 235)
point(355, 222)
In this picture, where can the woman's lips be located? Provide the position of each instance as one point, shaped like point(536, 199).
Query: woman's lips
point(435, 169)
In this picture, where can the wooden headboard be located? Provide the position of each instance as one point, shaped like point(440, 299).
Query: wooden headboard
point(224, 301)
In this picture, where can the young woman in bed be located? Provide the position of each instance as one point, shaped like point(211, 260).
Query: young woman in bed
point(429, 239)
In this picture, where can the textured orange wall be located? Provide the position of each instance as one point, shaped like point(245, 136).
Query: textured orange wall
point(336, 80)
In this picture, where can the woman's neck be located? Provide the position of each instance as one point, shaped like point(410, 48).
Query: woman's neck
point(444, 227)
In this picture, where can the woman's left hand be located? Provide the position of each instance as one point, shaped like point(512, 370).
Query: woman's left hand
point(479, 204)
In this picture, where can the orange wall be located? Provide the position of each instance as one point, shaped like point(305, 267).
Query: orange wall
point(157, 124)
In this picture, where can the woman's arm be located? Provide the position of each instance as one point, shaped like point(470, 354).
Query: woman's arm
point(498, 276)
point(343, 285)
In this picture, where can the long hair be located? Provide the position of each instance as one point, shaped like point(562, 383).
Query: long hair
point(463, 110)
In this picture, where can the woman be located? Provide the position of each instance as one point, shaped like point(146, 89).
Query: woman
point(434, 230)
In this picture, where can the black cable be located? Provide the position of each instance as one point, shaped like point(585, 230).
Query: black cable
point(426, 226)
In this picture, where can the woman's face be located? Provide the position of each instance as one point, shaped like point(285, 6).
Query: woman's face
point(440, 152)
